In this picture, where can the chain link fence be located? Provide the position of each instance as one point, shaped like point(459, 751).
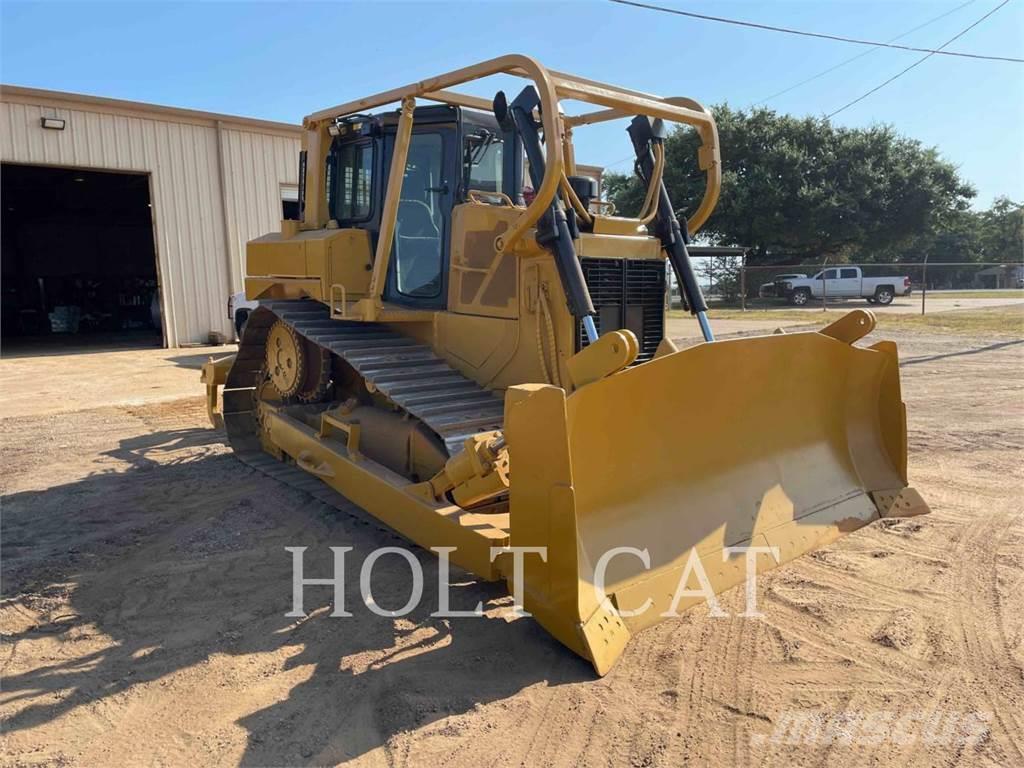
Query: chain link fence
point(729, 282)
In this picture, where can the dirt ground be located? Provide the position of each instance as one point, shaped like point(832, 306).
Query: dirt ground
point(90, 379)
point(145, 588)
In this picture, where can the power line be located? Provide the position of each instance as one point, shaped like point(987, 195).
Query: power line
point(838, 38)
point(861, 55)
point(619, 162)
point(928, 55)
point(923, 59)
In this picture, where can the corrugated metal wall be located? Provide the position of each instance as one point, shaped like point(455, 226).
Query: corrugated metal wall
point(256, 165)
point(194, 242)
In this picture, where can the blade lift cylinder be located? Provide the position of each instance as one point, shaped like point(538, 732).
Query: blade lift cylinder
point(644, 132)
point(554, 230)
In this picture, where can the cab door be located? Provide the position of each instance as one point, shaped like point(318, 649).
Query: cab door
point(849, 282)
point(829, 282)
point(418, 269)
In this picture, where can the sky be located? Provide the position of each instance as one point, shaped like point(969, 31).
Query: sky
point(282, 61)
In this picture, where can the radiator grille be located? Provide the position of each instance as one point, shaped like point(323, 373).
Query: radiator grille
point(627, 293)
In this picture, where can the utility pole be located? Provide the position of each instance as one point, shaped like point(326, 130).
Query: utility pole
point(924, 281)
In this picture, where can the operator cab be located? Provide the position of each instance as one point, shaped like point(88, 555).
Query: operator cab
point(452, 151)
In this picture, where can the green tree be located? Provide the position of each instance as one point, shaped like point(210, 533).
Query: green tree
point(802, 188)
point(993, 235)
point(1001, 231)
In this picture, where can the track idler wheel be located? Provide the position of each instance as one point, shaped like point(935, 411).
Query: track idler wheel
point(298, 368)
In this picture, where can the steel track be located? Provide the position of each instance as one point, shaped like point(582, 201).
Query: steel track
point(404, 370)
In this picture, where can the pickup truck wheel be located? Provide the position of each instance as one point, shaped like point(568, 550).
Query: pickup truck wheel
point(241, 318)
point(884, 296)
point(800, 297)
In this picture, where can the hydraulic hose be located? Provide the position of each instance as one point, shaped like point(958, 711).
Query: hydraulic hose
point(645, 134)
point(553, 228)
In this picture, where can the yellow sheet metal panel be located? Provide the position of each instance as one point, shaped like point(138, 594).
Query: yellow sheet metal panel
point(339, 257)
point(274, 255)
point(618, 246)
point(499, 352)
point(480, 347)
point(349, 257)
point(482, 282)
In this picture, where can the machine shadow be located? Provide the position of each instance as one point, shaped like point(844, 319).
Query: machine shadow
point(178, 561)
point(195, 362)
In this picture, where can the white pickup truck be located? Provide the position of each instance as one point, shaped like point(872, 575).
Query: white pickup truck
point(239, 308)
point(771, 290)
point(844, 283)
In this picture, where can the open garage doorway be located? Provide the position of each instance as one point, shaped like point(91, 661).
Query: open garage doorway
point(79, 261)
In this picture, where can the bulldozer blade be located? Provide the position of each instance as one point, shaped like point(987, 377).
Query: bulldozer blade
point(784, 442)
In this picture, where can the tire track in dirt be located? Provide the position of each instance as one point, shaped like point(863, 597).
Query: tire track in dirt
point(666, 653)
point(975, 556)
point(900, 673)
point(869, 591)
point(683, 687)
point(977, 566)
point(904, 706)
point(750, 630)
point(644, 725)
point(709, 713)
point(854, 651)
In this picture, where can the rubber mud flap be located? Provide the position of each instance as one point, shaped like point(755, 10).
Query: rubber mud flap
point(782, 442)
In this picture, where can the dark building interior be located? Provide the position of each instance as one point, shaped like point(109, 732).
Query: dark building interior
point(79, 260)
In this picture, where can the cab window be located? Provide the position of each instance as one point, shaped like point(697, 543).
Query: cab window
point(352, 198)
point(847, 273)
point(482, 157)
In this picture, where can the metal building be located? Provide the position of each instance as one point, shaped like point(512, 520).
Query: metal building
point(114, 208)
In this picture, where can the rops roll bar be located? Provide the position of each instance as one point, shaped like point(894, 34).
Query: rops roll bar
point(551, 86)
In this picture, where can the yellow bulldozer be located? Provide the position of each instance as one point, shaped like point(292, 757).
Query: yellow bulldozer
point(459, 336)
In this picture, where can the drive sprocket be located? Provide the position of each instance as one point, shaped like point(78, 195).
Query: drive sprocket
point(285, 359)
point(298, 368)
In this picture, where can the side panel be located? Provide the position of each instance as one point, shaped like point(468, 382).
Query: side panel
point(323, 257)
point(273, 255)
point(482, 282)
point(349, 261)
point(534, 345)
